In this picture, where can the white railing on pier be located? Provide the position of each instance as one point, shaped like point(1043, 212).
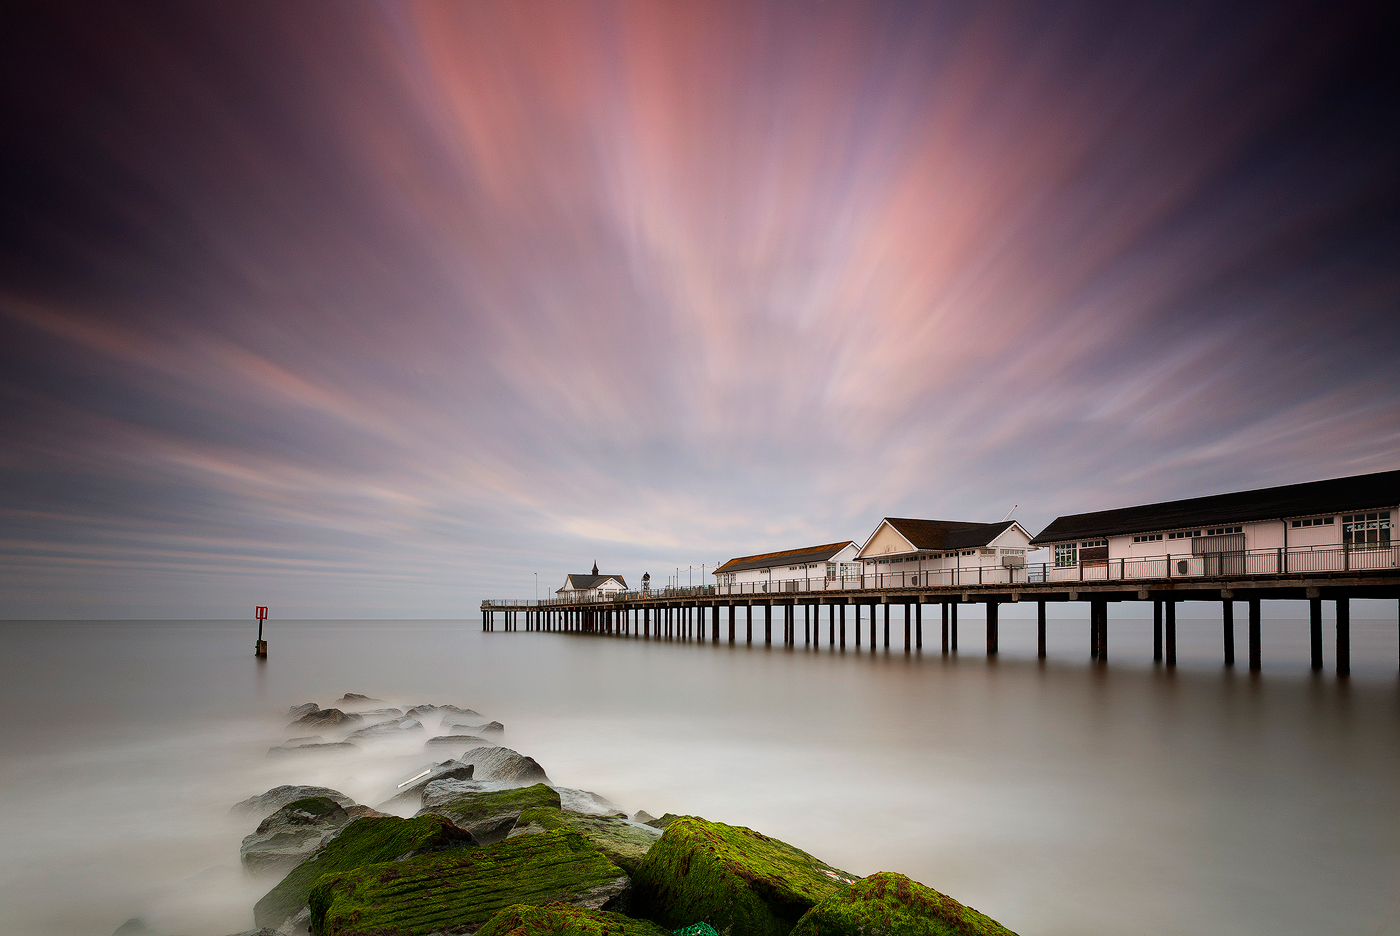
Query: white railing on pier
point(1252, 563)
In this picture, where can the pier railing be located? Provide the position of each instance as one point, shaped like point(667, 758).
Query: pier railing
point(1252, 563)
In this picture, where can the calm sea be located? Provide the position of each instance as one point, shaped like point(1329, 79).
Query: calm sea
point(1059, 797)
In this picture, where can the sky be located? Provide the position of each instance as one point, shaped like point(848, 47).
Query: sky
point(379, 309)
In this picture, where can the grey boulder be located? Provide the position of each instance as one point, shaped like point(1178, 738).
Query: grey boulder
point(134, 927)
point(499, 763)
point(296, 711)
point(285, 838)
point(306, 748)
point(409, 793)
point(393, 728)
point(490, 728)
point(326, 718)
point(266, 804)
point(463, 741)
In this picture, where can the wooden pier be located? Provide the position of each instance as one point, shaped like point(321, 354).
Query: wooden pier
point(702, 613)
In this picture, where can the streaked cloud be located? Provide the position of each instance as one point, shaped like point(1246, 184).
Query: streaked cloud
point(384, 308)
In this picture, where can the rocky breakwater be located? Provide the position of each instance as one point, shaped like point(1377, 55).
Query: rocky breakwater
point(496, 848)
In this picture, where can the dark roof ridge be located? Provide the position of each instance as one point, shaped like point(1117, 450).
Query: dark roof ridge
point(802, 554)
point(1330, 495)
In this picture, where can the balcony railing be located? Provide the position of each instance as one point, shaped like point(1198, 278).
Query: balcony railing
point(1252, 563)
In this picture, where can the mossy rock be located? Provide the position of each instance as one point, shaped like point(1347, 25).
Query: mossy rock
point(491, 814)
point(363, 842)
point(287, 837)
point(620, 840)
point(663, 822)
point(889, 904)
point(565, 920)
point(457, 891)
point(741, 882)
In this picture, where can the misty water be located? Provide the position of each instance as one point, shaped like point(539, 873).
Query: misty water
point(1060, 797)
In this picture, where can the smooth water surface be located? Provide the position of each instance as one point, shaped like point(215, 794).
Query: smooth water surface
point(1060, 797)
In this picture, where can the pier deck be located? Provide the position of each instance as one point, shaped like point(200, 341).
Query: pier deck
point(681, 612)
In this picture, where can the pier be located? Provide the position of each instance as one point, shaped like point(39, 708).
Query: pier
point(860, 612)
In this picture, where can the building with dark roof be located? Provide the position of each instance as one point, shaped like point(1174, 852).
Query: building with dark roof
point(905, 547)
point(1215, 534)
point(578, 586)
point(831, 561)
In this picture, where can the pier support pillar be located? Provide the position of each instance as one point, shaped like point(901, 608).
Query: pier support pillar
point(993, 638)
point(843, 625)
point(1315, 631)
point(1040, 630)
point(1343, 636)
point(919, 625)
point(872, 627)
point(1227, 616)
point(831, 628)
point(748, 636)
point(857, 607)
point(908, 636)
point(887, 626)
point(1171, 632)
point(1255, 654)
point(954, 626)
point(944, 606)
point(806, 625)
point(1156, 631)
point(731, 622)
point(1093, 629)
point(768, 624)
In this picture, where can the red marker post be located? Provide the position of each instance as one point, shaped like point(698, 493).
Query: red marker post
point(261, 613)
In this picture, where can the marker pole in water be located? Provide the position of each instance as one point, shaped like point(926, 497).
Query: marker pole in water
point(260, 612)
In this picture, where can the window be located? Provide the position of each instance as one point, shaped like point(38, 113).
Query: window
point(1066, 555)
point(1224, 531)
point(1089, 544)
point(1313, 521)
point(1372, 529)
point(1184, 534)
point(1147, 538)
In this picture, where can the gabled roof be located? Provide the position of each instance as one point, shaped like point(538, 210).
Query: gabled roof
point(945, 534)
point(784, 557)
point(1334, 496)
point(585, 582)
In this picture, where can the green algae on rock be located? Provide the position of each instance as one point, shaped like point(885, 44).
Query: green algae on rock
point(740, 881)
point(663, 822)
point(457, 891)
point(889, 904)
point(565, 920)
point(626, 843)
point(367, 841)
point(490, 815)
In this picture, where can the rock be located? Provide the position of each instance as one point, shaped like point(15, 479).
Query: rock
point(265, 931)
point(491, 814)
point(294, 748)
point(642, 815)
point(462, 711)
point(274, 799)
point(381, 713)
point(325, 718)
point(354, 698)
point(309, 739)
point(134, 927)
point(467, 887)
point(463, 741)
point(565, 920)
point(418, 711)
point(582, 801)
point(363, 842)
point(623, 841)
point(490, 728)
point(400, 727)
point(306, 708)
point(359, 812)
point(738, 880)
point(886, 904)
point(286, 837)
point(498, 763)
point(410, 791)
point(663, 822)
